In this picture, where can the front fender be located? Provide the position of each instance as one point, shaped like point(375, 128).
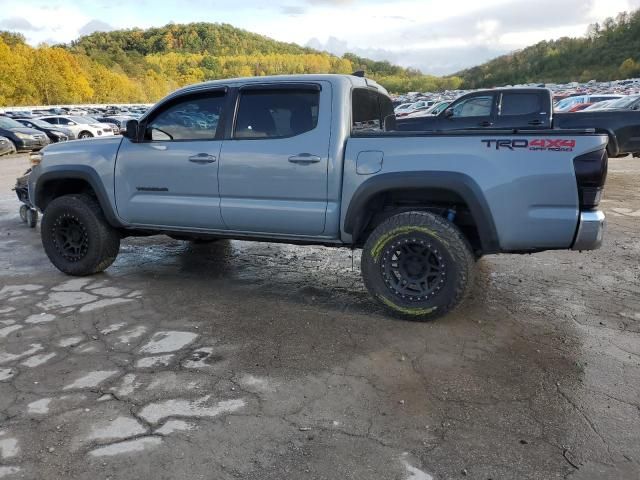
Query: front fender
point(86, 173)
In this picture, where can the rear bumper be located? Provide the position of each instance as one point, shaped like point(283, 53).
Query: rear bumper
point(590, 230)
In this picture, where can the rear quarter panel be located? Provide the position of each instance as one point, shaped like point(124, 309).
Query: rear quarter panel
point(531, 194)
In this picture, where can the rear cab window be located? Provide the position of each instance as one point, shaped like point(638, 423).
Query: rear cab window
point(371, 111)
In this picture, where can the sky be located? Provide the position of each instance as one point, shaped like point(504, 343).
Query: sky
point(436, 36)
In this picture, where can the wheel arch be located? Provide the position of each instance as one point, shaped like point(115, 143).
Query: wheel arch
point(458, 185)
point(64, 180)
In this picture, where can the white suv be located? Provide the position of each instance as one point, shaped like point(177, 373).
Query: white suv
point(82, 127)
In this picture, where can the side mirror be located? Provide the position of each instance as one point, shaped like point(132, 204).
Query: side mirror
point(131, 130)
point(448, 113)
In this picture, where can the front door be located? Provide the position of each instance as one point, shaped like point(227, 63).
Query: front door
point(273, 171)
point(474, 112)
point(170, 177)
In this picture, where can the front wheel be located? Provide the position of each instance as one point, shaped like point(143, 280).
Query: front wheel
point(85, 135)
point(417, 265)
point(76, 237)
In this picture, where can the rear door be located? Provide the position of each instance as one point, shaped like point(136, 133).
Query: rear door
point(273, 169)
point(473, 112)
point(522, 110)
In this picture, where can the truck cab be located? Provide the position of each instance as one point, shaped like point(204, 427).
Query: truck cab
point(528, 108)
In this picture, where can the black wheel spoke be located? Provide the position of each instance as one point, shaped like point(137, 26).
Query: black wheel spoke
point(413, 269)
point(70, 238)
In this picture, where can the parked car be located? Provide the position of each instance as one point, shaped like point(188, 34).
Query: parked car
point(420, 105)
point(599, 105)
point(300, 160)
point(6, 146)
point(114, 122)
point(55, 134)
point(121, 121)
point(82, 127)
point(529, 109)
point(630, 102)
point(568, 104)
point(403, 107)
point(435, 109)
point(23, 139)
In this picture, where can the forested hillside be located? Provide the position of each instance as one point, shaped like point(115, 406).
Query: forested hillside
point(610, 51)
point(143, 65)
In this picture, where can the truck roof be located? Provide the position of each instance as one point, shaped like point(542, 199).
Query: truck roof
point(516, 90)
point(355, 81)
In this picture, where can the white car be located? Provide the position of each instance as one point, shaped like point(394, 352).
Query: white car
point(403, 107)
point(82, 127)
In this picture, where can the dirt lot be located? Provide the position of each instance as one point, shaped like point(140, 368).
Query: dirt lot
point(264, 361)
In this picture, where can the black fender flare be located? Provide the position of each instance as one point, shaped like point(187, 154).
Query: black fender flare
point(613, 147)
point(78, 172)
point(459, 183)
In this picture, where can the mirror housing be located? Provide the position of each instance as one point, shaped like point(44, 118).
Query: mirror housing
point(447, 113)
point(131, 131)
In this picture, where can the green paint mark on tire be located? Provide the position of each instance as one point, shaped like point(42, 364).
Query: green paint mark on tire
point(396, 232)
point(406, 310)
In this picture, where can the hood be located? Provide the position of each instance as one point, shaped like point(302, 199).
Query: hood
point(82, 152)
point(25, 130)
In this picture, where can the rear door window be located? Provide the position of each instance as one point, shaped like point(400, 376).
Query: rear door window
point(520, 104)
point(278, 113)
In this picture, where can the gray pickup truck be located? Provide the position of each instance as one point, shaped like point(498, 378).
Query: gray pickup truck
point(315, 159)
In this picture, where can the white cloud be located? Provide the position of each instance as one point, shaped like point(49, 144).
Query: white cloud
point(437, 36)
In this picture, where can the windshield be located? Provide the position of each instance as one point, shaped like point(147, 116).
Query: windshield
point(624, 102)
point(6, 122)
point(38, 123)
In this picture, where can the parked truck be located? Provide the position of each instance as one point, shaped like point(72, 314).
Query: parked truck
point(530, 109)
point(316, 159)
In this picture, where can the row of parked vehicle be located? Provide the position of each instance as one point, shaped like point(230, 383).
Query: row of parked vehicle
point(31, 130)
point(571, 97)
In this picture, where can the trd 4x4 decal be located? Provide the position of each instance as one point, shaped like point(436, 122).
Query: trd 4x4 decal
point(537, 144)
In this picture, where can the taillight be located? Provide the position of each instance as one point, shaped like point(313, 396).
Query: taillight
point(591, 173)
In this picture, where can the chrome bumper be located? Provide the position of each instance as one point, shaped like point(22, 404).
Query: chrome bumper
point(590, 230)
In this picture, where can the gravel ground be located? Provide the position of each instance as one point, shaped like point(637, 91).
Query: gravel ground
point(266, 361)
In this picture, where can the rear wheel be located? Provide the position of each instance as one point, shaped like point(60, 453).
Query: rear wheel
point(76, 236)
point(417, 265)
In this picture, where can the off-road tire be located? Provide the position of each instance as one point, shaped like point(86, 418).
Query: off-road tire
point(102, 240)
point(422, 232)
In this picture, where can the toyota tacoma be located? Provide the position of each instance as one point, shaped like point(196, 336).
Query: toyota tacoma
point(316, 159)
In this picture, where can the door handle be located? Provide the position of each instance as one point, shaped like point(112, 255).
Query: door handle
point(304, 159)
point(535, 122)
point(485, 124)
point(202, 158)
